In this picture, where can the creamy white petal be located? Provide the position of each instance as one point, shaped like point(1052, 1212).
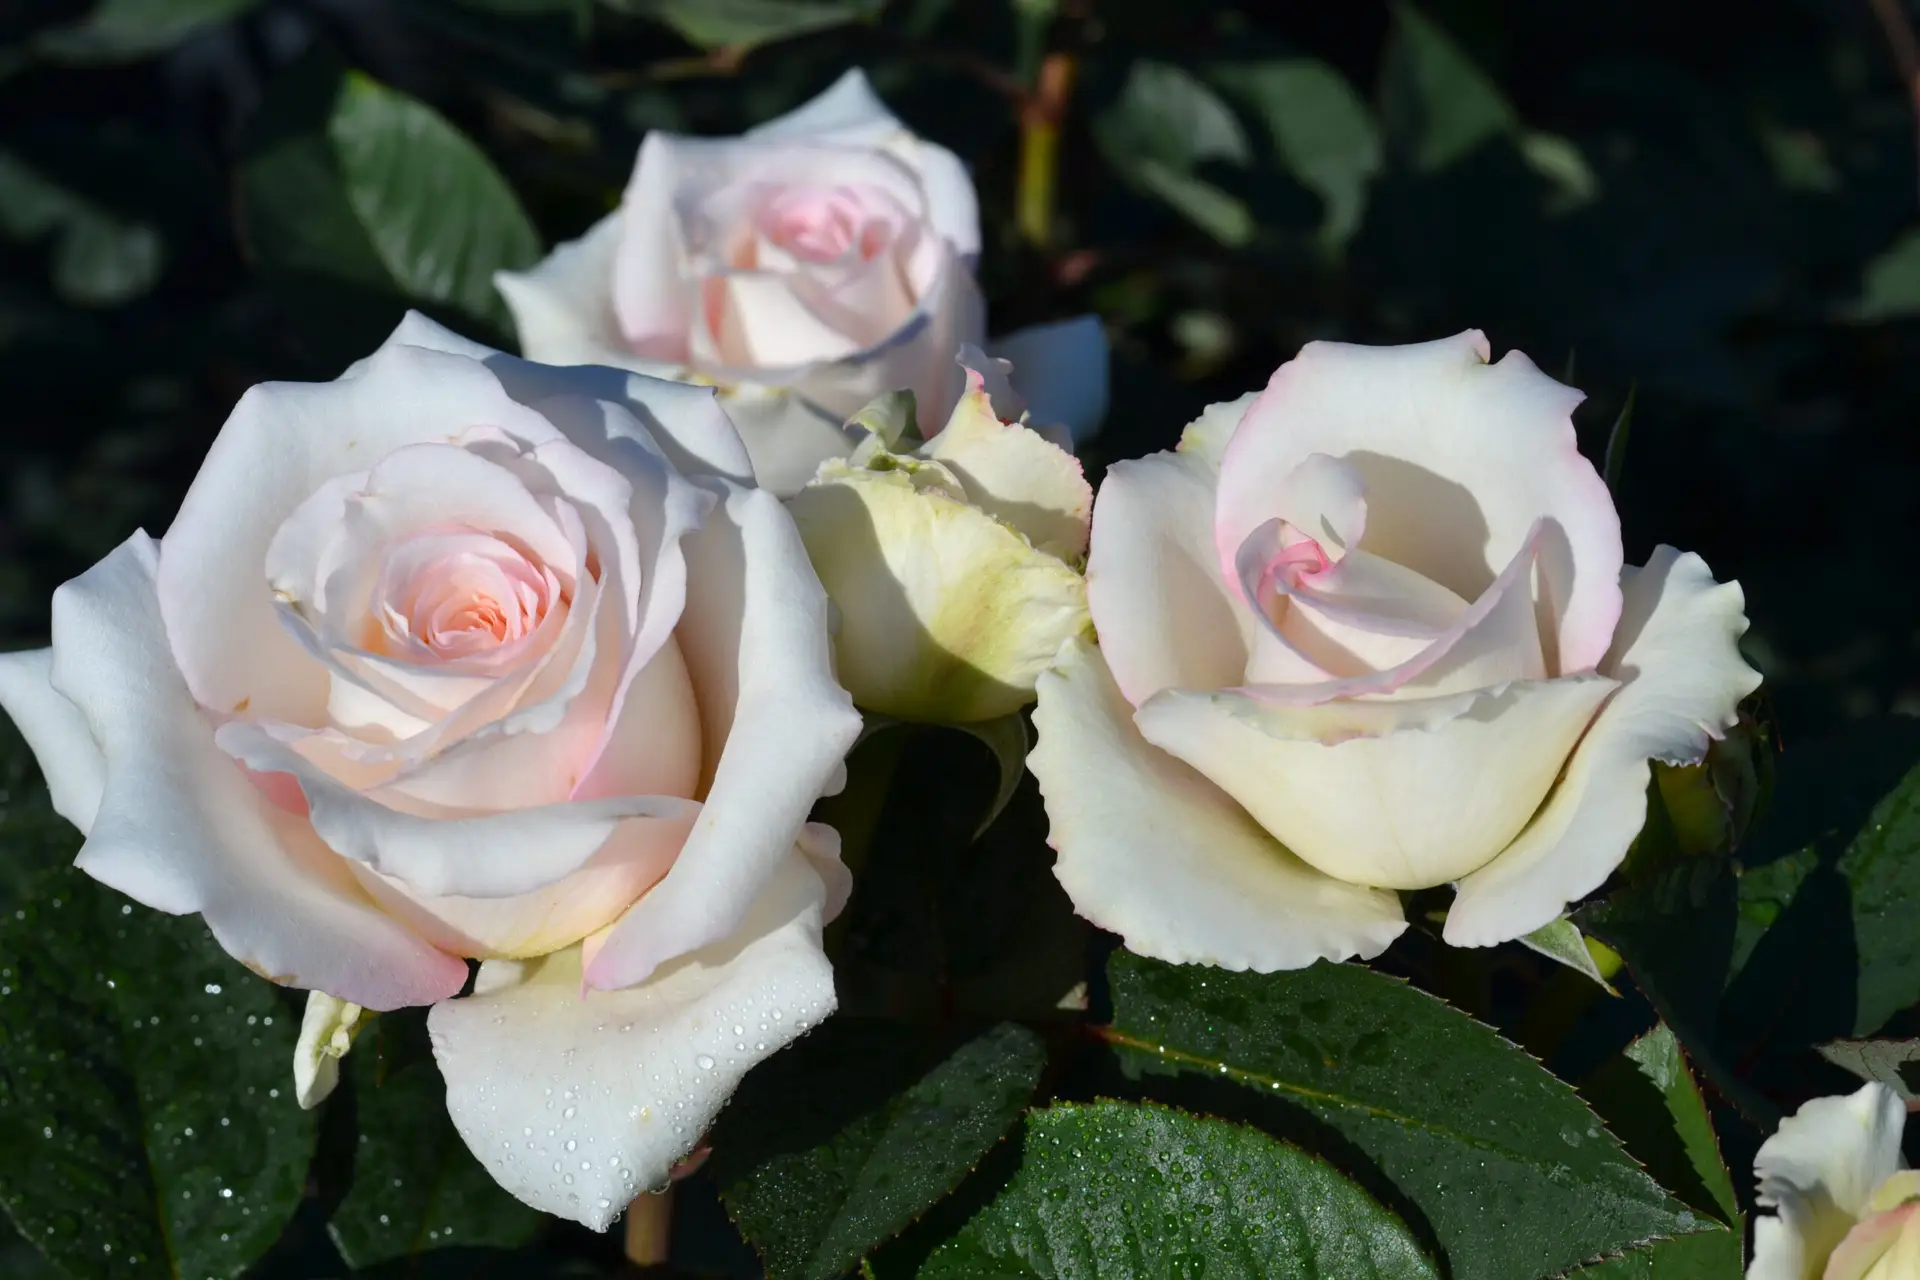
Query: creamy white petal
point(682, 418)
point(1165, 616)
point(1818, 1173)
point(1677, 657)
point(1836, 1151)
point(1406, 794)
point(1207, 436)
point(776, 723)
point(474, 854)
point(563, 305)
point(181, 829)
point(1061, 371)
point(1460, 457)
point(943, 613)
point(1015, 475)
point(1154, 852)
point(576, 1099)
point(56, 732)
point(327, 1029)
point(787, 437)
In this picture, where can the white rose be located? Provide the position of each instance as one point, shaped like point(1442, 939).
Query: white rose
point(806, 267)
point(954, 567)
point(460, 656)
point(1845, 1207)
point(1369, 631)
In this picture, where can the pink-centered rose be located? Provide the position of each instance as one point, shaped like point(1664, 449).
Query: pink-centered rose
point(1369, 631)
point(816, 262)
point(465, 657)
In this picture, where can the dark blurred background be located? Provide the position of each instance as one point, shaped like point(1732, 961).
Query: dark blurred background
point(1713, 201)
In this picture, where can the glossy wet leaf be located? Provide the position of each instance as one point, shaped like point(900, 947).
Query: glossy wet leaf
point(1116, 1191)
point(145, 1094)
point(833, 1147)
point(415, 1185)
point(1516, 1176)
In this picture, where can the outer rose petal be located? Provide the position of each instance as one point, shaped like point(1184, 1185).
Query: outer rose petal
point(1153, 851)
point(56, 732)
point(684, 420)
point(945, 613)
point(1404, 794)
point(1678, 660)
point(1016, 475)
point(1885, 1246)
point(848, 113)
point(562, 308)
point(1460, 458)
point(1061, 370)
point(1166, 619)
point(1779, 1252)
point(577, 1099)
point(1833, 1154)
point(181, 829)
point(1207, 436)
point(327, 1029)
point(755, 638)
point(786, 437)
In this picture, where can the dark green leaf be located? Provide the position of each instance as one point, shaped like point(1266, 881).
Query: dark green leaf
point(1166, 123)
point(715, 24)
point(146, 1097)
point(1113, 1191)
point(1616, 458)
point(442, 220)
point(99, 258)
point(1890, 283)
point(1660, 1060)
point(1882, 868)
point(123, 30)
point(358, 188)
point(1321, 130)
point(415, 1185)
point(1649, 1098)
point(832, 1147)
point(1707, 1255)
point(1010, 740)
point(1436, 105)
point(1515, 1175)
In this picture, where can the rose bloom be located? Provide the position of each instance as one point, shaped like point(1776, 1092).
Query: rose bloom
point(1368, 631)
point(805, 268)
point(465, 657)
point(1844, 1205)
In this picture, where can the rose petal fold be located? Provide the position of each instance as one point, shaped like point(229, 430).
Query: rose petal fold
point(1819, 1172)
point(577, 1099)
point(849, 113)
point(1682, 678)
point(944, 613)
point(1165, 617)
point(1016, 475)
point(56, 732)
point(1460, 459)
point(776, 723)
point(1061, 371)
point(683, 419)
point(1154, 852)
point(1403, 794)
point(181, 829)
